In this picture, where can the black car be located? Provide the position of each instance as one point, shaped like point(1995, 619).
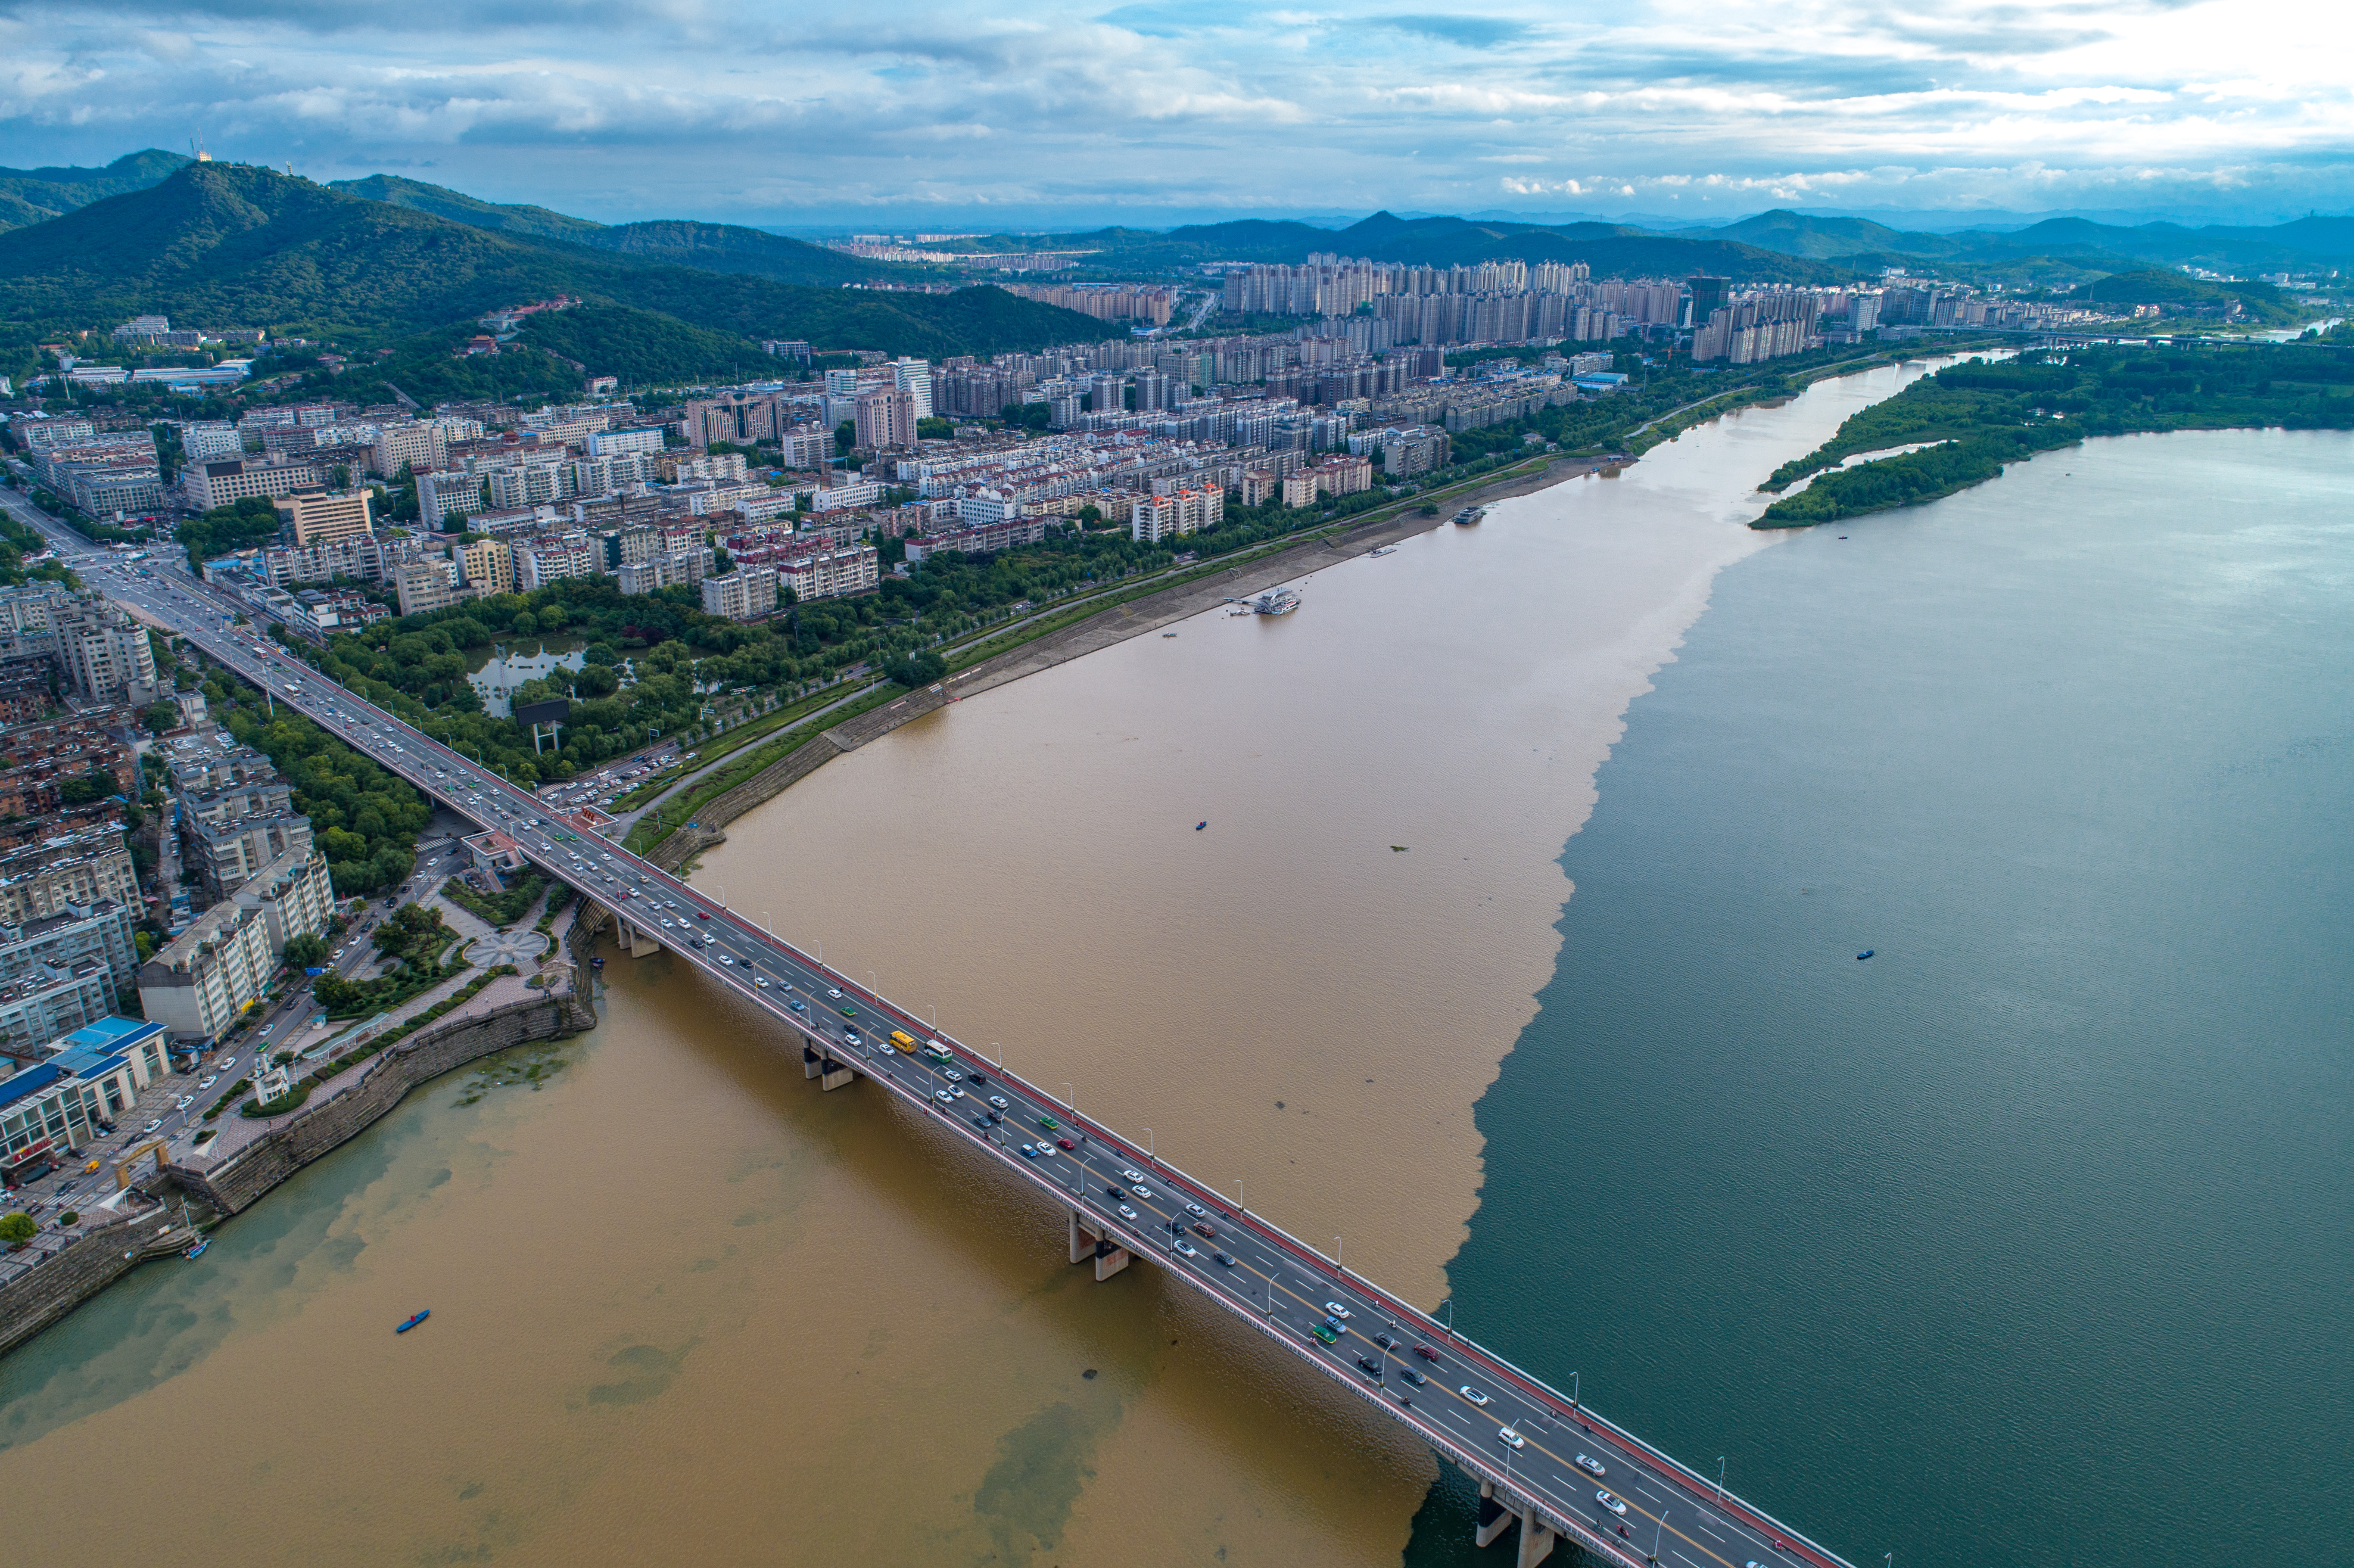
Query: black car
point(1117, 1191)
point(1412, 1376)
point(1225, 1257)
point(1384, 1341)
point(976, 1080)
point(1370, 1365)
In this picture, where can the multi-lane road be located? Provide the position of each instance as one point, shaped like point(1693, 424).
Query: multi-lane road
point(1542, 1452)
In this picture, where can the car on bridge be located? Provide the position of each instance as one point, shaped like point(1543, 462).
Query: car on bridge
point(1412, 1376)
point(1225, 1257)
point(1050, 1124)
point(1183, 1249)
point(1126, 1212)
point(1323, 1333)
point(1337, 1309)
point(1473, 1394)
point(1507, 1435)
point(1613, 1504)
point(1592, 1466)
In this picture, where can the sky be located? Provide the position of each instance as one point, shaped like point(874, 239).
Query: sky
point(894, 115)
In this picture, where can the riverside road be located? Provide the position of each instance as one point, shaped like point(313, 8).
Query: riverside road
point(1462, 1400)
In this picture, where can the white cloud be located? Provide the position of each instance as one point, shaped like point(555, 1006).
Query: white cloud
point(685, 106)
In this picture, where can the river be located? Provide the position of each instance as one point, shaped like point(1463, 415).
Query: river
point(688, 1309)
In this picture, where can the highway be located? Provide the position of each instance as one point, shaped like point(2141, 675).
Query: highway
point(1545, 1454)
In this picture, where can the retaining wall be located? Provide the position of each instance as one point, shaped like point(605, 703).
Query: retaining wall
point(418, 1060)
point(31, 1302)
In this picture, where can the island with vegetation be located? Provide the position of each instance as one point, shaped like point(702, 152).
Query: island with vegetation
point(1969, 420)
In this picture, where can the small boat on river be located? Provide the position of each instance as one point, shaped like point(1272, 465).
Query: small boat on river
point(198, 1250)
point(412, 1322)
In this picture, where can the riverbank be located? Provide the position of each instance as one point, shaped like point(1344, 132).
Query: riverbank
point(1972, 419)
point(1150, 609)
point(249, 1156)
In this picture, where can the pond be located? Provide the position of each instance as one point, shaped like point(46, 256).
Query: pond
point(495, 681)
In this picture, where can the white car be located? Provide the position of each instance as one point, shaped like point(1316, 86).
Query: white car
point(1592, 1466)
point(945, 1097)
point(1133, 1175)
point(208, 1083)
point(1613, 1504)
point(1184, 1249)
point(1505, 1434)
point(1473, 1394)
point(1337, 1311)
point(999, 1101)
point(227, 1063)
point(156, 1124)
point(761, 984)
point(184, 1102)
point(1141, 1191)
point(1198, 1211)
point(952, 1075)
point(1126, 1212)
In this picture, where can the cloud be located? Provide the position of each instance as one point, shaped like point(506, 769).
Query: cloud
point(635, 108)
point(1470, 32)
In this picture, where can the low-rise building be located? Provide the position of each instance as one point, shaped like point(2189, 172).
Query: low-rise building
point(215, 968)
point(743, 594)
point(831, 574)
point(100, 931)
point(47, 999)
point(85, 866)
point(320, 516)
point(294, 895)
point(226, 854)
point(426, 585)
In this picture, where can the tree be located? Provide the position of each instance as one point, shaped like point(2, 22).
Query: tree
point(845, 435)
point(160, 717)
point(17, 1229)
point(306, 952)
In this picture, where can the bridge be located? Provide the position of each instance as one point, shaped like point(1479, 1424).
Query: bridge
point(1544, 1461)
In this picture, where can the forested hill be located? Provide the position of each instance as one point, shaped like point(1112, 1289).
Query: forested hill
point(35, 195)
point(712, 247)
point(224, 245)
point(1980, 417)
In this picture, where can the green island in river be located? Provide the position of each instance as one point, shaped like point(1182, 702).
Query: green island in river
point(1971, 419)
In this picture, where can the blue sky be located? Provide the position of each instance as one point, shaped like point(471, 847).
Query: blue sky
point(1149, 112)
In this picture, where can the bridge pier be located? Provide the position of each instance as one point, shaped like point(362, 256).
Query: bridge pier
point(1494, 1517)
point(633, 940)
point(1537, 1538)
point(1090, 1241)
point(837, 1076)
point(810, 1062)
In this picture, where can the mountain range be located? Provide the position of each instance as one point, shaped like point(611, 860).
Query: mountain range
point(223, 245)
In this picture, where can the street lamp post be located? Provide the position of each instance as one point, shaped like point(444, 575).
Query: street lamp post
point(1336, 1256)
point(1572, 1390)
point(1069, 1103)
point(1720, 1482)
point(1148, 1144)
point(1659, 1535)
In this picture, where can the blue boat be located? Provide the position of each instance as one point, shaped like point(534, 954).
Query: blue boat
point(412, 1322)
point(1865, 954)
point(597, 963)
point(198, 1250)
point(1199, 826)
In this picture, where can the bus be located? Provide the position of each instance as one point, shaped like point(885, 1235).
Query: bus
point(936, 1051)
point(903, 1040)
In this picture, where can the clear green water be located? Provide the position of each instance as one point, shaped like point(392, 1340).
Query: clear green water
point(2029, 1241)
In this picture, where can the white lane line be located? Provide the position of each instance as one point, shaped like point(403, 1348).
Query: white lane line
point(1674, 1552)
point(1653, 1496)
point(1706, 1530)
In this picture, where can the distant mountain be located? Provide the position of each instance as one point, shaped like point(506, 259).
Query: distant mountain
point(530, 222)
point(714, 246)
point(223, 245)
point(2308, 242)
point(35, 195)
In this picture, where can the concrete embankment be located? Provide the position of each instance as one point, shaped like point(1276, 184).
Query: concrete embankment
point(34, 1300)
point(1112, 626)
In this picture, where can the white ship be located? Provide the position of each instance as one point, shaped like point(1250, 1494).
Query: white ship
point(1282, 601)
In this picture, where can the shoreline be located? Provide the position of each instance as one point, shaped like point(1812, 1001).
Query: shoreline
point(1105, 627)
